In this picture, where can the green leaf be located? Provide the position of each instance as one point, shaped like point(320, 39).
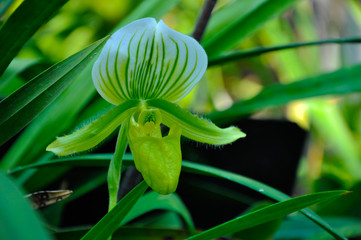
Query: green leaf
point(267, 214)
point(17, 219)
point(103, 160)
point(22, 24)
point(194, 127)
point(155, 201)
point(149, 8)
point(236, 21)
point(261, 231)
point(345, 80)
point(234, 56)
point(111, 221)
point(129, 233)
point(301, 228)
point(344, 206)
point(87, 184)
point(17, 66)
point(26, 179)
point(53, 121)
point(4, 5)
point(163, 219)
point(92, 134)
point(331, 125)
point(39, 180)
point(17, 110)
point(93, 160)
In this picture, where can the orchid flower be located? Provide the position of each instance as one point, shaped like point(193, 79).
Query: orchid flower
point(144, 69)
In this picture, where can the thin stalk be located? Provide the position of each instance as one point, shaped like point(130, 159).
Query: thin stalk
point(261, 50)
point(203, 19)
point(114, 172)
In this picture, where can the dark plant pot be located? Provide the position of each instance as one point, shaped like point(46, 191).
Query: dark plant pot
point(270, 153)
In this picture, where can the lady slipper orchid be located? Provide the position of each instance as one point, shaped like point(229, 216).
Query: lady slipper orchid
point(143, 69)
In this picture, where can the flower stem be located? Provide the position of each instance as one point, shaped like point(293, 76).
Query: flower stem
point(115, 166)
point(203, 19)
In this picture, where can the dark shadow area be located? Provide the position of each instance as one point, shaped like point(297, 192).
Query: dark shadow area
point(270, 153)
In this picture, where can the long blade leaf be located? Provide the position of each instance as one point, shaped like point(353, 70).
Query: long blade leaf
point(298, 227)
point(22, 24)
point(345, 80)
point(155, 201)
point(236, 21)
point(266, 214)
point(17, 219)
point(261, 50)
point(128, 233)
point(17, 110)
point(4, 5)
point(111, 221)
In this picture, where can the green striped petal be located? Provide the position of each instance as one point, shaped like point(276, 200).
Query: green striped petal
point(193, 127)
point(92, 134)
point(147, 60)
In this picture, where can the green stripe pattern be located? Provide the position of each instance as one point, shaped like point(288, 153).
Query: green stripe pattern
point(148, 60)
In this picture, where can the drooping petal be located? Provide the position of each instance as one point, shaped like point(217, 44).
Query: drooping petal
point(194, 127)
point(92, 134)
point(158, 158)
point(146, 60)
